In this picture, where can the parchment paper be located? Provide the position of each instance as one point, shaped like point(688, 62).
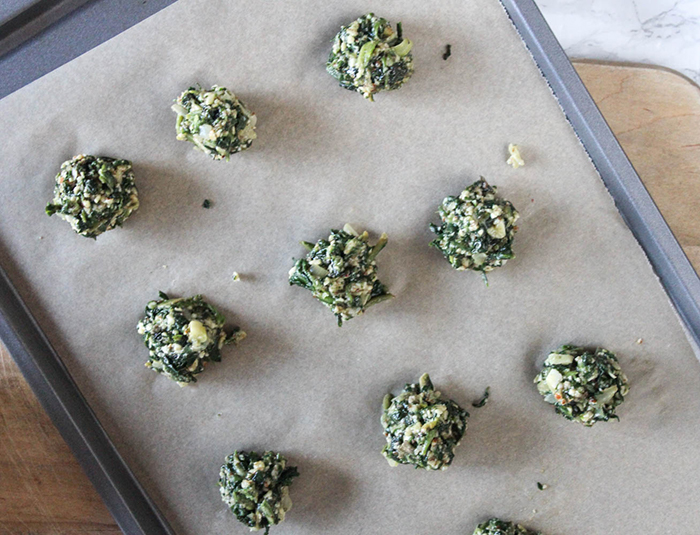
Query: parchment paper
point(298, 384)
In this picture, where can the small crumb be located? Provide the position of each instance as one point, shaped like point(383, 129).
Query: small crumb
point(541, 486)
point(206, 203)
point(235, 276)
point(218, 414)
point(165, 266)
point(532, 200)
point(639, 340)
point(534, 511)
point(481, 402)
point(515, 159)
point(448, 52)
point(41, 237)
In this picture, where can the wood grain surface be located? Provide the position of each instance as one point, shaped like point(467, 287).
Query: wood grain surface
point(655, 114)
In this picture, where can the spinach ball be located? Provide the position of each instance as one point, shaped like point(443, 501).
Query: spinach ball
point(477, 229)
point(368, 56)
point(256, 487)
point(94, 194)
point(584, 385)
point(215, 121)
point(496, 526)
point(341, 272)
point(421, 427)
point(182, 335)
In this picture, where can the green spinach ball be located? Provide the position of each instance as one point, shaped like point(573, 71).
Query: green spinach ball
point(495, 526)
point(215, 121)
point(341, 272)
point(477, 229)
point(368, 56)
point(584, 385)
point(94, 194)
point(182, 335)
point(422, 428)
point(256, 487)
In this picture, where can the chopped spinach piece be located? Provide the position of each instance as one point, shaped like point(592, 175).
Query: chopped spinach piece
point(421, 428)
point(341, 272)
point(477, 229)
point(541, 486)
point(484, 399)
point(182, 335)
point(584, 385)
point(448, 52)
point(496, 526)
point(215, 121)
point(206, 203)
point(256, 487)
point(368, 56)
point(94, 194)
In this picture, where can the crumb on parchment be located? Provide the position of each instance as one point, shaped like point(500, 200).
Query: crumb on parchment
point(515, 160)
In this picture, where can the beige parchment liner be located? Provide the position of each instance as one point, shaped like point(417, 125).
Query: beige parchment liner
point(299, 384)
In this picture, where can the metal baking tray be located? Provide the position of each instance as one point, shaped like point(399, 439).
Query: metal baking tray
point(38, 36)
point(131, 507)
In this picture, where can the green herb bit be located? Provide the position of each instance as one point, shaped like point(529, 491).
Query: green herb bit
point(182, 335)
point(94, 194)
point(541, 486)
point(484, 399)
point(448, 52)
point(256, 487)
point(215, 121)
point(584, 385)
point(477, 229)
point(368, 56)
point(422, 428)
point(496, 526)
point(341, 272)
point(206, 203)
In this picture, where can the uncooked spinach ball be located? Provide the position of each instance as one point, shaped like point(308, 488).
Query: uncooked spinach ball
point(94, 194)
point(368, 56)
point(496, 526)
point(215, 121)
point(341, 272)
point(256, 487)
point(182, 335)
point(477, 229)
point(584, 385)
point(421, 427)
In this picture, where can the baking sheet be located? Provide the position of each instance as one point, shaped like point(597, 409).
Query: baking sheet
point(22, 19)
point(41, 40)
point(299, 384)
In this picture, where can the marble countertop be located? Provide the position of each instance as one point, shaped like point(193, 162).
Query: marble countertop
point(658, 32)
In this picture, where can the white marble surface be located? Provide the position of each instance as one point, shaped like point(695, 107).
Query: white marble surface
point(659, 32)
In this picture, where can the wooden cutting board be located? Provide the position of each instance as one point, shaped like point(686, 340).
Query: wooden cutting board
point(655, 114)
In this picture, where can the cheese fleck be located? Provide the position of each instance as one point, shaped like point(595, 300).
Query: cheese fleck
point(515, 159)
